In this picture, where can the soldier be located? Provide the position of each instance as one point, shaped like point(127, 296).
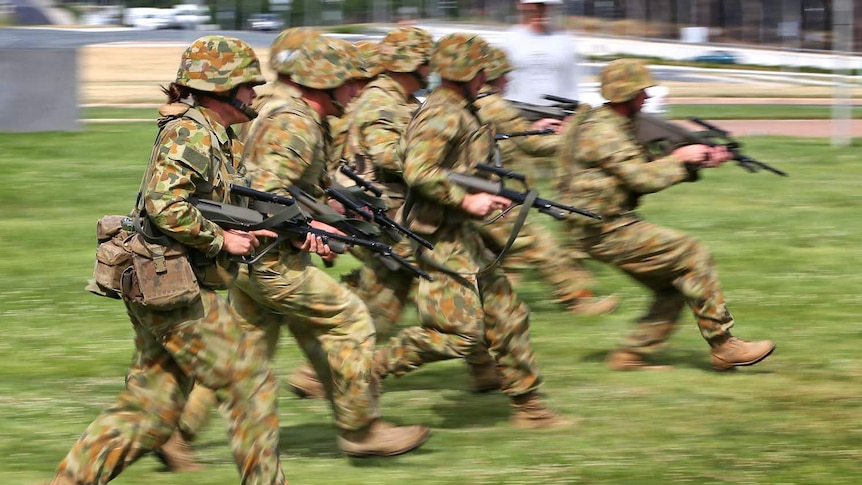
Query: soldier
point(177, 454)
point(604, 169)
point(469, 303)
point(373, 129)
point(369, 52)
point(196, 154)
point(535, 246)
point(287, 146)
point(279, 51)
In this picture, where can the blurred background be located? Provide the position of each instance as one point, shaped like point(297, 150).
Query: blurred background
point(791, 24)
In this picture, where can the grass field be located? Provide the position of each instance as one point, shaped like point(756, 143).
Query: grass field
point(787, 250)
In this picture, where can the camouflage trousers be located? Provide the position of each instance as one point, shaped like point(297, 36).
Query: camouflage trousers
point(330, 323)
point(677, 268)
point(201, 342)
point(461, 313)
point(536, 248)
point(385, 291)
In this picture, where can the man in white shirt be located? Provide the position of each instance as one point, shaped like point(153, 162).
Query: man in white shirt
point(544, 61)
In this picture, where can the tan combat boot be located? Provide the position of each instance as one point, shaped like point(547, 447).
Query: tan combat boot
point(485, 377)
point(305, 383)
point(592, 306)
point(623, 360)
point(729, 352)
point(177, 455)
point(531, 413)
point(382, 439)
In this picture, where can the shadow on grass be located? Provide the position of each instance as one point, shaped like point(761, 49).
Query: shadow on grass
point(688, 359)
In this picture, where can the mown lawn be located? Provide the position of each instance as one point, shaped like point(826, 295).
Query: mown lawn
point(787, 250)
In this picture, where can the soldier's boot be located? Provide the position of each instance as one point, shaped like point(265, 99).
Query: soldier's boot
point(624, 360)
point(530, 413)
point(729, 352)
point(382, 439)
point(177, 455)
point(485, 377)
point(593, 306)
point(305, 383)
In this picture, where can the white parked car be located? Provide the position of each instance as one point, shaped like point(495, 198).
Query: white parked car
point(190, 16)
point(147, 18)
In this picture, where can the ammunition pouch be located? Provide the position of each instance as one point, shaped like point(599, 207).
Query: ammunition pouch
point(112, 258)
point(160, 277)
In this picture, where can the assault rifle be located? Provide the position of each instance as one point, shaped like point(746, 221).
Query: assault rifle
point(357, 228)
point(561, 109)
point(662, 136)
point(506, 136)
point(545, 206)
point(283, 216)
point(370, 206)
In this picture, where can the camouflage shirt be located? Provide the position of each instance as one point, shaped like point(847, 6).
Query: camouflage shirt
point(444, 136)
point(496, 110)
point(287, 146)
point(195, 157)
point(265, 93)
point(604, 169)
point(375, 129)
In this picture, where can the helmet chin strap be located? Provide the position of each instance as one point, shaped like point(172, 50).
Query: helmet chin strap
point(332, 99)
point(423, 81)
point(247, 110)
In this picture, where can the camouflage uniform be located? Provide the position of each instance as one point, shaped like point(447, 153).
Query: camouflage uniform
point(535, 245)
point(604, 169)
point(287, 146)
point(372, 149)
point(464, 306)
point(202, 341)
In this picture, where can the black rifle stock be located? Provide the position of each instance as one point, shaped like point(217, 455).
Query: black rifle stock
point(356, 228)
point(561, 109)
point(497, 187)
point(285, 220)
point(373, 211)
point(662, 136)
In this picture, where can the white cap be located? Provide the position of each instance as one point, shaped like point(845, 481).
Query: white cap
point(549, 2)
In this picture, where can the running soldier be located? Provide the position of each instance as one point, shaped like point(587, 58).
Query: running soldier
point(287, 146)
point(603, 168)
point(469, 303)
point(535, 246)
point(196, 155)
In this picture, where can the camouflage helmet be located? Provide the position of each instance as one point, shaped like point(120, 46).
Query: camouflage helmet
point(498, 64)
point(218, 64)
point(459, 56)
point(288, 41)
point(623, 79)
point(369, 51)
point(405, 49)
point(324, 63)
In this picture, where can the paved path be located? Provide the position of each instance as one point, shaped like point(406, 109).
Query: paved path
point(801, 128)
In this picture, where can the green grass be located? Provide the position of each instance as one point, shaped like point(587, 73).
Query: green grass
point(732, 111)
point(120, 113)
point(787, 250)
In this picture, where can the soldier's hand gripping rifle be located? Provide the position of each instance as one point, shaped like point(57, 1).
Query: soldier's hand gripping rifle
point(279, 214)
point(356, 228)
point(497, 187)
point(367, 203)
point(560, 110)
point(662, 136)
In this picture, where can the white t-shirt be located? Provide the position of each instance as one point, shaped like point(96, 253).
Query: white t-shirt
point(543, 63)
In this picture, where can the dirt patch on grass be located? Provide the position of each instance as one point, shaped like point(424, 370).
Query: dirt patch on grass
point(121, 74)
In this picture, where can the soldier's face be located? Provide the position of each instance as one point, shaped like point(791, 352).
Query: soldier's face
point(638, 101)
